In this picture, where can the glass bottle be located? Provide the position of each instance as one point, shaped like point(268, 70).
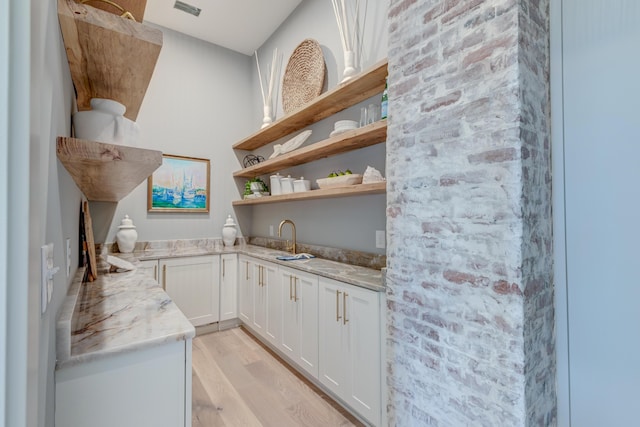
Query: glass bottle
point(385, 101)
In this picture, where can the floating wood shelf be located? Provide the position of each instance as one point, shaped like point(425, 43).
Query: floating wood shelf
point(327, 193)
point(372, 134)
point(359, 88)
point(106, 172)
point(109, 56)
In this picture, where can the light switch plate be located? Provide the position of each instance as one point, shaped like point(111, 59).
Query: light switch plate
point(47, 271)
point(380, 239)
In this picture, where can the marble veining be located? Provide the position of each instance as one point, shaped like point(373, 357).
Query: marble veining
point(117, 313)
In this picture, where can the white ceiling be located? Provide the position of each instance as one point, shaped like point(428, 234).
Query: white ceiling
point(240, 25)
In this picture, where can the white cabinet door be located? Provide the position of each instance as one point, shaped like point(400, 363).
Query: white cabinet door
point(259, 300)
point(363, 367)
point(267, 316)
point(150, 268)
point(148, 387)
point(332, 336)
point(245, 290)
point(192, 283)
point(349, 338)
point(299, 337)
point(274, 303)
point(228, 286)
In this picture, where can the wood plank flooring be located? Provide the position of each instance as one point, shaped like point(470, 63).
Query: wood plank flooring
point(239, 382)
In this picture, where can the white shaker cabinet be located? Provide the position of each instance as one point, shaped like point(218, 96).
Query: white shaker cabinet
point(299, 338)
point(228, 286)
point(246, 269)
point(349, 339)
point(266, 301)
point(193, 284)
point(149, 387)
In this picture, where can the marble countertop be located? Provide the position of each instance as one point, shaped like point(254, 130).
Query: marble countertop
point(359, 276)
point(117, 313)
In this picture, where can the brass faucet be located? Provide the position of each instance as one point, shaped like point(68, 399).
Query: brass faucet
point(293, 230)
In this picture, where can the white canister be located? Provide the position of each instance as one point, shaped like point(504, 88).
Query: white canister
point(105, 122)
point(300, 185)
point(126, 235)
point(276, 188)
point(287, 184)
point(229, 232)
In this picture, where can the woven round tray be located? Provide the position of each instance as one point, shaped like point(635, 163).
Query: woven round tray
point(304, 76)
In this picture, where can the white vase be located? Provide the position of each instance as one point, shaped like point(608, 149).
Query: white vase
point(105, 122)
point(126, 235)
point(350, 69)
point(268, 116)
point(229, 232)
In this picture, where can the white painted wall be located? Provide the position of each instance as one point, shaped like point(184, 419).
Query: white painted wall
point(54, 200)
point(595, 224)
point(14, 152)
point(348, 223)
point(196, 105)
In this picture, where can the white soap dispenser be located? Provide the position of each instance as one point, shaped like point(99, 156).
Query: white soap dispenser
point(229, 232)
point(126, 235)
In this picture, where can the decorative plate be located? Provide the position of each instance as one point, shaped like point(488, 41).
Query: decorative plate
point(304, 76)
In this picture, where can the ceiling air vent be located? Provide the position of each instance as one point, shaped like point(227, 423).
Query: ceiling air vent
point(195, 11)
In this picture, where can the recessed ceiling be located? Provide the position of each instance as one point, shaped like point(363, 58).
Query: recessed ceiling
point(240, 25)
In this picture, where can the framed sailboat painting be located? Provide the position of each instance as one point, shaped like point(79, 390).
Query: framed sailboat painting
point(181, 184)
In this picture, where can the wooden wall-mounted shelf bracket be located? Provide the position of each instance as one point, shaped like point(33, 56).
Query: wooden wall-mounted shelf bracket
point(106, 172)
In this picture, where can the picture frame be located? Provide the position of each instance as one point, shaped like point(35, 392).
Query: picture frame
point(180, 184)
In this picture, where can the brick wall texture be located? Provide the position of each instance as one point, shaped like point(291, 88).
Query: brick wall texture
point(470, 320)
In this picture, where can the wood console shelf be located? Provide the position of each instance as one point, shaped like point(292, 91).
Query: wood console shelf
point(109, 56)
point(372, 134)
point(359, 88)
point(106, 172)
point(327, 193)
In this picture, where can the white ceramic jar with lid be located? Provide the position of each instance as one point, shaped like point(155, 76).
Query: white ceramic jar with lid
point(126, 235)
point(229, 232)
point(276, 188)
point(287, 184)
point(300, 185)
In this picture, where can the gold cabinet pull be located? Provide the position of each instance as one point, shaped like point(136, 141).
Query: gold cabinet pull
point(344, 308)
point(295, 289)
point(247, 270)
point(223, 260)
point(338, 317)
point(164, 277)
point(290, 290)
point(261, 275)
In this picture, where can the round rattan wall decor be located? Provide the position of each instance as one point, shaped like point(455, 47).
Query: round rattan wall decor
point(304, 76)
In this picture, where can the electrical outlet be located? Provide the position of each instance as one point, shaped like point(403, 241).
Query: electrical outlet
point(380, 239)
point(271, 230)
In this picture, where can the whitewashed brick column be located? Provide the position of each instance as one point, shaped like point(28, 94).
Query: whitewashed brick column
point(470, 324)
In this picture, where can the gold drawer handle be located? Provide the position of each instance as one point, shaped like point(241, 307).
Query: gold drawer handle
point(338, 317)
point(344, 308)
point(164, 277)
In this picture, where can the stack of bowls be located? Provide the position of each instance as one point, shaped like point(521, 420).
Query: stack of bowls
point(342, 126)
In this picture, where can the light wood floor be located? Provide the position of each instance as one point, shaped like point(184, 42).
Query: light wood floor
point(239, 382)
